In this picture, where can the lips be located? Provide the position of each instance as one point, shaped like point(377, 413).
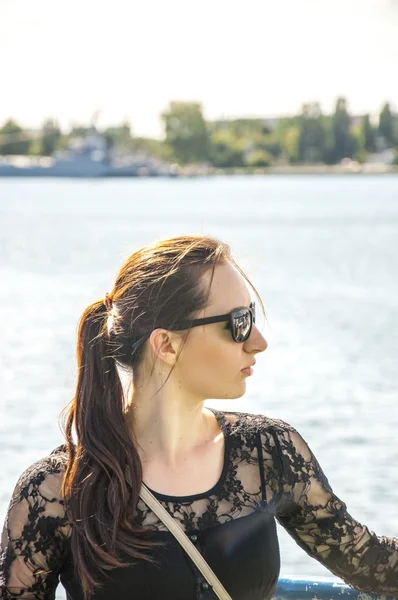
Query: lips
point(249, 369)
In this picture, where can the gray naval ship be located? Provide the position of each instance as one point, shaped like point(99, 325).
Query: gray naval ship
point(86, 157)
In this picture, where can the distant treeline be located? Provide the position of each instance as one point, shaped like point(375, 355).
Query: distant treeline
point(307, 138)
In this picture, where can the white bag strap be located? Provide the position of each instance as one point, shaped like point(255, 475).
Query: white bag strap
point(185, 542)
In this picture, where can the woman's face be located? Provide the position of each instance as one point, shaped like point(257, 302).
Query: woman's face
point(211, 363)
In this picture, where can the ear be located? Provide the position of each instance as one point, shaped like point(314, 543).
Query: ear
point(165, 345)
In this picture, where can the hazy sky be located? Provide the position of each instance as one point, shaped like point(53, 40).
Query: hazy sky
point(252, 57)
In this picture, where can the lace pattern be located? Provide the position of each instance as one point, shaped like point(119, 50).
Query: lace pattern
point(268, 467)
point(33, 543)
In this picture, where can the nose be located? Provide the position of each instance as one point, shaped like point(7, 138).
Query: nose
point(256, 342)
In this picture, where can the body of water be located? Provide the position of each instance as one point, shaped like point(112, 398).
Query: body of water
point(323, 253)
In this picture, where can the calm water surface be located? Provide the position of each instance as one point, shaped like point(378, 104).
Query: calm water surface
point(323, 253)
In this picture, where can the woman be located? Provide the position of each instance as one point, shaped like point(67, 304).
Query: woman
point(76, 516)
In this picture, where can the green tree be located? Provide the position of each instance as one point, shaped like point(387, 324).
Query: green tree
point(367, 135)
point(312, 137)
point(154, 147)
point(287, 132)
point(13, 139)
point(290, 143)
point(119, 137)
point(236, 142)
point(267, 143)
point(343, 141)
point(50, 137)
point(225, 150)
point(258, 158)
point(186, 132)
point(386, 125)
point(242, 128)
point(329, 154)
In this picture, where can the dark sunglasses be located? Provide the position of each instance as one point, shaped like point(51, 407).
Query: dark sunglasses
point(240, 322)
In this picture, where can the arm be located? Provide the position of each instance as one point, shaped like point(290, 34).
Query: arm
point(33, 543)
point(319, 522)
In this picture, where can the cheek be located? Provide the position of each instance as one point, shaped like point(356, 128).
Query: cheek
point(211, 367)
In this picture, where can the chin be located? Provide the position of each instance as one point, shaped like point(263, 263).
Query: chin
point(234, 395)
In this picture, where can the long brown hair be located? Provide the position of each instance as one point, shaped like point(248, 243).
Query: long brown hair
point(157, 286)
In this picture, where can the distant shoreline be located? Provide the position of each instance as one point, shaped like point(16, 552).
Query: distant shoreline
point(192, 171)
point(349, 169)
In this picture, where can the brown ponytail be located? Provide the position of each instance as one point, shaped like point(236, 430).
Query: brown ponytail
point(158, 285)
point(97, 496)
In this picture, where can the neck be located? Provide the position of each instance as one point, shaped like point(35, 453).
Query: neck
point(171, 425)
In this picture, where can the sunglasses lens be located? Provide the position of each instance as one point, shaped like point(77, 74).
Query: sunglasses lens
point(242, 325)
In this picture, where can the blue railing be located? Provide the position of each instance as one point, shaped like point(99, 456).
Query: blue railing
point(320, 588)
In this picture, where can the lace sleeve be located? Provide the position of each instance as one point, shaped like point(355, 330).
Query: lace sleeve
point(33, 543)
point(319, 522)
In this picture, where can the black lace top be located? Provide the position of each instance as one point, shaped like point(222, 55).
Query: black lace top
point(269, 472)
